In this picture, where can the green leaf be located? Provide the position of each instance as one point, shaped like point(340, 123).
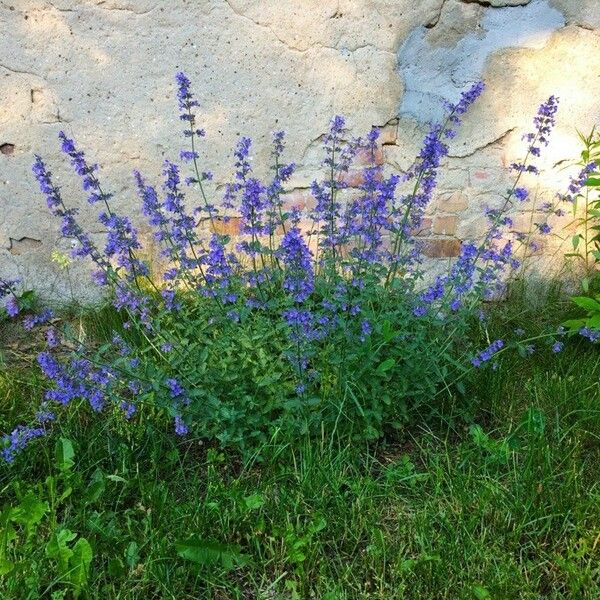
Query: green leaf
point(268, 380)
point(594, 322)
point(480, 593)
point(585, 284)
point(209, 553)
point(79, 563)
point(574, 324)
point(6, 566)
point(30, 511)
point(385, 366)
point(587, 303)
point(115, 567)
point(132, 554)
point(575, 241)
point(64, 454)
point(57, 548)
point(96, 487)
point(254, 501)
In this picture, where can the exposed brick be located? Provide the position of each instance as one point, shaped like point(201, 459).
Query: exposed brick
point(440, 248)
point(229, 227)
point(445, 224)
point(303, 199)
point(388, 134)
point(353, 178)
point(455, 203)
point(481, 175)
point(363, 157)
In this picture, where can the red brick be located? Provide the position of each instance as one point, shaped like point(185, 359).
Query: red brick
point(388, 134)
point(302, 199)
point(441, 248)
point(363, 157)
point(230, 227)
point(455, 203)
point(445, 225)
point(353, 178)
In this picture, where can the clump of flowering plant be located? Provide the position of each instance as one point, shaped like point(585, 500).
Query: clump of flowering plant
point(308, 321)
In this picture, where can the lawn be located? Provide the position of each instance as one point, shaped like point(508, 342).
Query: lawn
point(489, 494)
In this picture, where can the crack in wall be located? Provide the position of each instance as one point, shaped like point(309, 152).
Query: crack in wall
point(313, 45)
point(497, 140)
point(125, 9)
point(18, 246)
point(437, 17)
point(497, 3)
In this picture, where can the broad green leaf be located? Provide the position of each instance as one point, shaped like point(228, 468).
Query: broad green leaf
point(254, 501)
point(207, 553)
point(585, 284)
point(588, 303)
point(79, 563)
point(64, 454)
point(594, 322)
point(6, 566)
point(480, 593)
point(96, 487)
point(57, 548)
point(268, 380)
point(574, 324)
point(132, 554)
point(115, 567)
point(30, 511)
point(385, 366)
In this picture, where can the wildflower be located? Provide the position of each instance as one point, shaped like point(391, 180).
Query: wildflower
point(32, 320)
point(180, 427)
point(69, 226)
point(521, 194)
point(86, 171)
point(18, 440)
point(43, 415)
point(175, 388)
point(543, 123)
point(593, 335)
point(297, 258)
point(486, 355)
point(12, 306)
point(557, 347)
point(365, 330)
point(128, 408)
point(576, 183)
point(52, 338)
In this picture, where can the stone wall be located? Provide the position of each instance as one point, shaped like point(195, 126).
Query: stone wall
point(103, 70)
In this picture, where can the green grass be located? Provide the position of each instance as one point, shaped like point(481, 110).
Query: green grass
point(497, 496)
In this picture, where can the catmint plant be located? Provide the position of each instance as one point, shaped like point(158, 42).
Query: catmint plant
point(307, 321)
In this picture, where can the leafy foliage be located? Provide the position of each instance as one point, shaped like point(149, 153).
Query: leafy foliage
point(308, 322)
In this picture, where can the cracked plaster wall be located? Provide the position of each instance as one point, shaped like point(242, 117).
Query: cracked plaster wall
point(103, 70)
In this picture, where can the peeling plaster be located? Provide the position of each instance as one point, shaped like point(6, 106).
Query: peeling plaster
point(434, 74)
